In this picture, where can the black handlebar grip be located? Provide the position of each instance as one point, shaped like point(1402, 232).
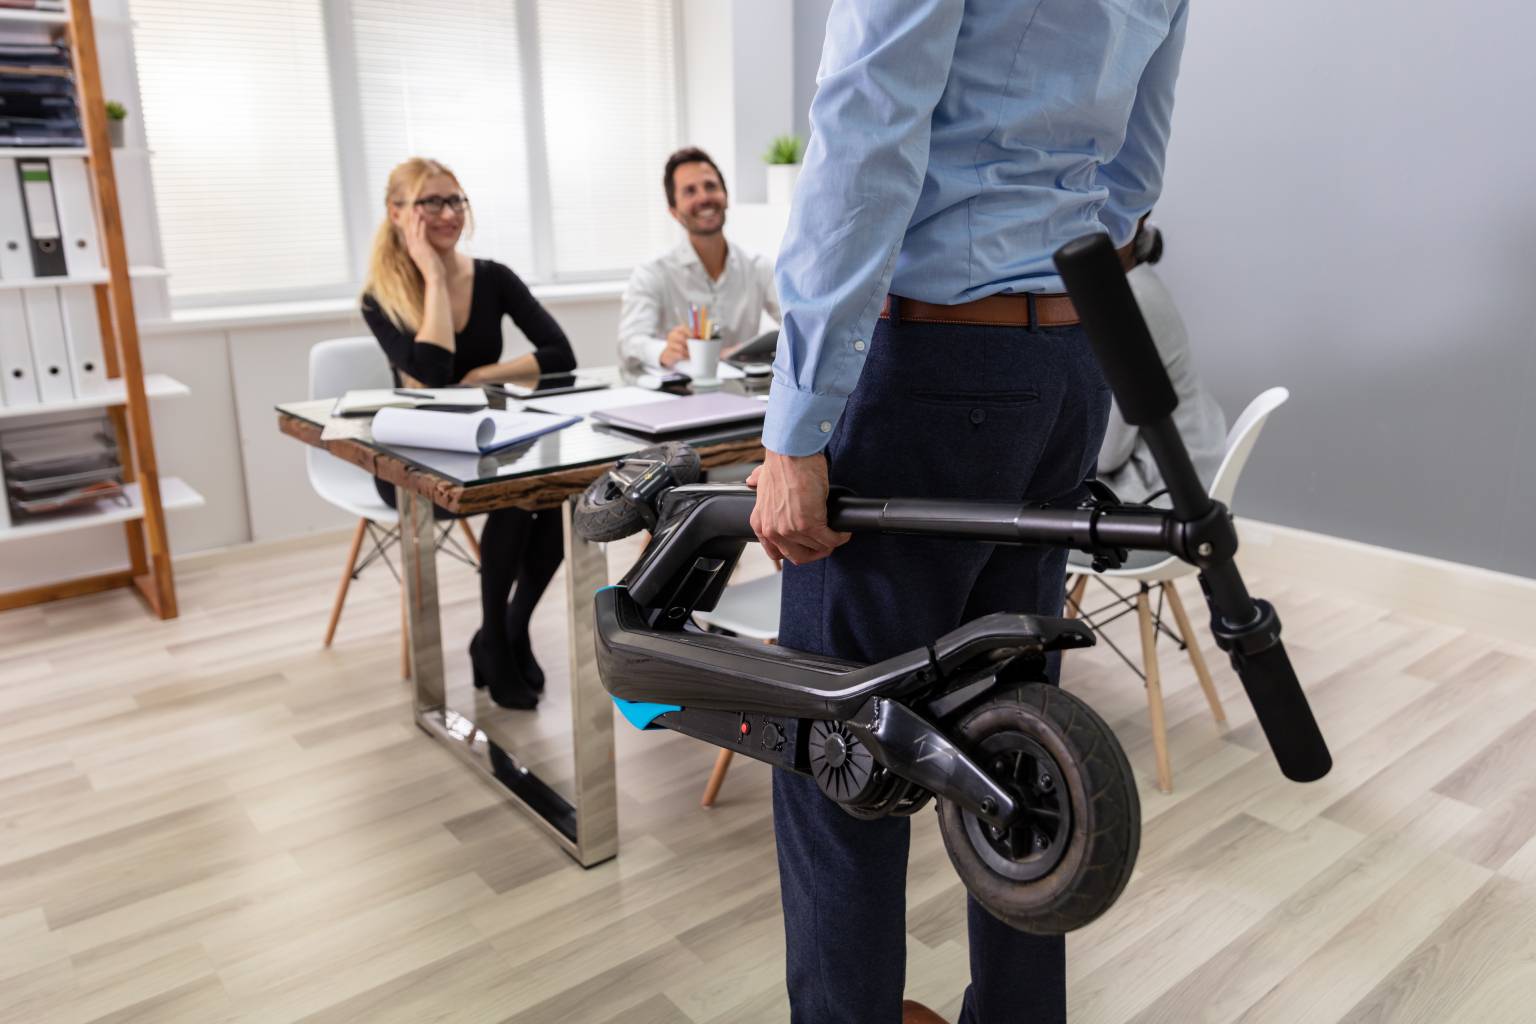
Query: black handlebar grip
point(1119, 336)
point(1283, 713)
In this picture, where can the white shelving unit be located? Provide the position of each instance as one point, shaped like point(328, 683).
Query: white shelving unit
point(142, 519)
point(79, 279)
point(156, 385)
point(174, 494)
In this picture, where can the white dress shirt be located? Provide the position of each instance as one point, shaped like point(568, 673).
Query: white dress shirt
point(659, 293)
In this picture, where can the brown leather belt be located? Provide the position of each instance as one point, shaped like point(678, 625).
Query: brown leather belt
point(1030, 310)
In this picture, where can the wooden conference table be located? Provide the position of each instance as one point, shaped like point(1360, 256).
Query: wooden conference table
point(549, 472)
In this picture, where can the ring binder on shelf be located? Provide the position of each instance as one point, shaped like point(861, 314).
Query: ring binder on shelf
point(18, 382)
point(15, 252)
point(77, 216)
point(82, 335)
point(42, 218)
point(50, 356)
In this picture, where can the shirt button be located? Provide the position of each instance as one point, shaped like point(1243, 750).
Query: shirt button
point(858, 345)
point(826, 426)
point(978, 415)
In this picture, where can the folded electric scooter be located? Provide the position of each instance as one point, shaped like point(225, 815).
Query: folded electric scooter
point(1036, 800)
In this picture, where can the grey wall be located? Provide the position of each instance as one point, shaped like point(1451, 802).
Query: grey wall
point(1350, 212)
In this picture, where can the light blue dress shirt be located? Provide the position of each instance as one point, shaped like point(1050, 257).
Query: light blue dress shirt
point(955, 145)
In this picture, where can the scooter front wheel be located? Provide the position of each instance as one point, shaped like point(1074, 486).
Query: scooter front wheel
point(1067, 857)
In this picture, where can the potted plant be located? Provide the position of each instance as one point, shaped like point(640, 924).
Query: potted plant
point(783, 160)
point(116, 115)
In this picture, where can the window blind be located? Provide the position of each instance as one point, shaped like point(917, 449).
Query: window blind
point(444, 80)
point(238, 112)
point(609, 77)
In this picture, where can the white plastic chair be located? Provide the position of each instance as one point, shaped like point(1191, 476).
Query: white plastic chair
point(1154, 572)
point(335, 367)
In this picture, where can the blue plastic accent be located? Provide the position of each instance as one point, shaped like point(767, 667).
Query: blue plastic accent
point(611, 586)
point(641, 714)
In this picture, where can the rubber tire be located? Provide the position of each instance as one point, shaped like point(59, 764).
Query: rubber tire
point(600, 518)
point(1106, 814)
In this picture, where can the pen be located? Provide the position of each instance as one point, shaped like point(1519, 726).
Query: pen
point(408, 393)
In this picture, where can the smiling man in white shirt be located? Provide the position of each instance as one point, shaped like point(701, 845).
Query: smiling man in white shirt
point(703, 270)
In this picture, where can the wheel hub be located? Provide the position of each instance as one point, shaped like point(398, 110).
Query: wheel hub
point(1036, 840)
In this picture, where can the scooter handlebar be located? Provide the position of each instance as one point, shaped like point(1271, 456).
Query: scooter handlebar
point(1248, 630)
point(1116, 330)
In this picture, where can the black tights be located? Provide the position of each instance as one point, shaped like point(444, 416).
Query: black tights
point(519, 553)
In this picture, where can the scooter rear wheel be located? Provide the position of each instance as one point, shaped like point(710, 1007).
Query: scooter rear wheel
point(1068, 856)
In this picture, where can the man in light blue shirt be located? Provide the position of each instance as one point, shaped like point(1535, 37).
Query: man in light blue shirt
point(927, 350)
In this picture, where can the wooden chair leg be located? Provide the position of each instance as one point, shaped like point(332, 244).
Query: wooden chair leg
point(1075, 596)
point(1195, 657)
point(469, 538)
point(346, 581)
point(716, 778)
point(405, 634)
point(1154, 691)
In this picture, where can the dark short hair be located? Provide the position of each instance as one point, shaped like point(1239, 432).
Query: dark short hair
point(686, 155)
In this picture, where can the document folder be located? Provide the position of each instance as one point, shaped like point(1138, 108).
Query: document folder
point(15, 251)
point(77, 216)
point(17, 381)
point(42, 218)
point(82, 333)
point(50, 355)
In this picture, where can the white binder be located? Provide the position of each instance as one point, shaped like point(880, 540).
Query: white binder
point(50, 353)
point(15, 248)
point(17, 381)
point(77, 216)
point(82, 333)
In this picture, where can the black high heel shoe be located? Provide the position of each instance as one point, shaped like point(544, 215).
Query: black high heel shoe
point(527, 664)
point(503, 680)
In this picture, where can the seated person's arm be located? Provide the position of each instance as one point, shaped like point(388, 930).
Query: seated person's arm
point(640, 321)
point(1119, 443)
point(551, 348)
point(419, 363)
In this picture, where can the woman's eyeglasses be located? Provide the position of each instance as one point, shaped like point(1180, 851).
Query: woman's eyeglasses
point(436, 204)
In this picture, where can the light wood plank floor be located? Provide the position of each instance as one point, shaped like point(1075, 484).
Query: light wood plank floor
point(213, 820)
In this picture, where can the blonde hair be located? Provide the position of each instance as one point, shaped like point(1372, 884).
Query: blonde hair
point(394, 281)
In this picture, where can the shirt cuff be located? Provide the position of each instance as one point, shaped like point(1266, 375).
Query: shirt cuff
point(651, 350)
point(800, 422)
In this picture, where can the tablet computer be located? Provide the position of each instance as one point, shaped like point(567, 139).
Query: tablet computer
point(553, 384)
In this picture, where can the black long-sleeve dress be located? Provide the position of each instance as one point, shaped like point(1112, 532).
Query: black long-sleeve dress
point(496, 292)
point(516, 547)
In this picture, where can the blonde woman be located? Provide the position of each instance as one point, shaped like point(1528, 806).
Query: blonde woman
point(437, 314)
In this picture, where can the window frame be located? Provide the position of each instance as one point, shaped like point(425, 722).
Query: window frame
point(360, 209)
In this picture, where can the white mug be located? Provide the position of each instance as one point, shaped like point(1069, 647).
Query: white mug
point(704, 355)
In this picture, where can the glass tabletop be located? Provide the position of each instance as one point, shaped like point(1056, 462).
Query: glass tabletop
point(584, 443)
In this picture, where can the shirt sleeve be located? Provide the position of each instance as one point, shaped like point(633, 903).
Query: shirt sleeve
point(1135, 176)
point(551, 348)
point(431, 365)
point(640, 320)
point(884, 67)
